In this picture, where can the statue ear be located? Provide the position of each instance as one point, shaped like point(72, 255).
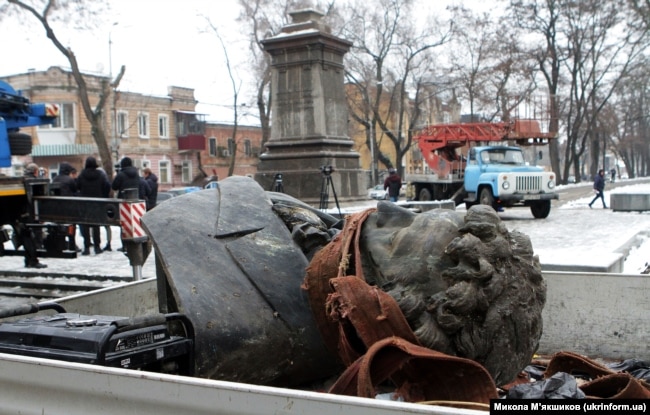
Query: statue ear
point(391, 214)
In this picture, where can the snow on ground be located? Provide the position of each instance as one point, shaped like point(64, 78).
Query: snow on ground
point(608, 231)
point(573, 233)
point(113, 263)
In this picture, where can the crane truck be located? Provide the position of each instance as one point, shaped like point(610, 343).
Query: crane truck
point(490, 171)
point(27, 203)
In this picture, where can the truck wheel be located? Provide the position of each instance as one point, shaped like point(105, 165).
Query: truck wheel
point(424, 195)
point(20, 144)
point(541, 210)
point(486, 197)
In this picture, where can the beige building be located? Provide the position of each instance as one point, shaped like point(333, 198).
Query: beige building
point(163, 133)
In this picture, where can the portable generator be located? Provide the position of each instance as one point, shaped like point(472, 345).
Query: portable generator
point(143, 343)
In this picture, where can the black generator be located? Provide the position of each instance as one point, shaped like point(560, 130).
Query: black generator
point(144, 343)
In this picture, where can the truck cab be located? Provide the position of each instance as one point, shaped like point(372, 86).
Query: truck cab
point(500, 177)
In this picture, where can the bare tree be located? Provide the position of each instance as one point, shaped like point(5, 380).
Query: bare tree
point(470, 54)
point(587, 49)
point(236, 87)
point(488, 66)
point(389, 63)
point(85, 11)
point(603, 50)
point(627, 122)
point(541, 18)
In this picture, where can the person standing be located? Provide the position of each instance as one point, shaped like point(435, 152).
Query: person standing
point(393, 184)
point(92, 183)
point(599, 188)
point(152, 181)
point(612, 172)
point(107, 228)
point(67, 185)
point(28, 236)
point(128, 178)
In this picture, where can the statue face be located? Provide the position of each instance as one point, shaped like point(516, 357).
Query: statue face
point(467, 286)
point(403, 247)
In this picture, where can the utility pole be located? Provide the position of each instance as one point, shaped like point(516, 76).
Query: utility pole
point(114, 143)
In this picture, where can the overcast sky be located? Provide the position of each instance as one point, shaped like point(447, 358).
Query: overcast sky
point(160, 43)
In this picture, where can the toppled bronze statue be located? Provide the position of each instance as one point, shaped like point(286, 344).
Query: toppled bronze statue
point(233, 259)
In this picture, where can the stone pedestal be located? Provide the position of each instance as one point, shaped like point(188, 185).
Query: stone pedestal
point(309, 115)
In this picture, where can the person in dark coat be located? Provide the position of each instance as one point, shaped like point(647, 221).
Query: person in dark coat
point(393, 184)
point(152, 181)
point(109, 235)
point(29, 237)
point(92, 183)
point(128, 178)
point(145, 190)
point(67, 185)
point(599, 188)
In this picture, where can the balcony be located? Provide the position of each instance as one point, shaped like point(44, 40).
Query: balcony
point(191, 142)
point(190, 130)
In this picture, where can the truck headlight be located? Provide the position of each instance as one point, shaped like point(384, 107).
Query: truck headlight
point(505, 185)
point(551, 184)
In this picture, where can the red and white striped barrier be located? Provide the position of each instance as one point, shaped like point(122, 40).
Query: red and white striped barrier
point(130, 215)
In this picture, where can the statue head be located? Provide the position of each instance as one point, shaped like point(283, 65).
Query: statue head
point(466, 285)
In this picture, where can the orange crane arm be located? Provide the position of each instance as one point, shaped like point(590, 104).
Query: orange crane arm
point(445, 138)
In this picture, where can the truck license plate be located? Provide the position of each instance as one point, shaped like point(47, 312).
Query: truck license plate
point(532, 197)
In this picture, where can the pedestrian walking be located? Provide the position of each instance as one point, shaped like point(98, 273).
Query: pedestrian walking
point(92, 183)
point(393, 184)
point(599, 188)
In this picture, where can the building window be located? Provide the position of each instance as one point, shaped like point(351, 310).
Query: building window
point(143, 125)
point(186, 175)
point(163, 167)
point(231, 145)
point(141, 164)
point(122, 124)
point(212, 141)
point(248, 148)
point(65, 120)
point(163, 126)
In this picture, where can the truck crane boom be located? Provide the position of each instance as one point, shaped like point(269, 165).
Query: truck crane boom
point(445, 138)
point(17, 112)
point(491, 172)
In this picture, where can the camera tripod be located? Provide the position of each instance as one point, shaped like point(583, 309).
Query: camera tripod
point(324, 192)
